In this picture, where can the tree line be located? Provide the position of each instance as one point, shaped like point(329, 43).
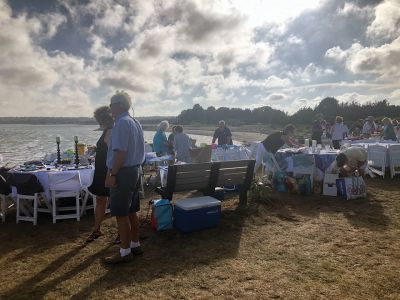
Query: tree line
point(329, 108)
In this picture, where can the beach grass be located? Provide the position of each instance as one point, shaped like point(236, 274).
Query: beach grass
point(283, 246)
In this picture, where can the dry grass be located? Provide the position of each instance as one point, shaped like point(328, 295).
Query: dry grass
point(288, 247)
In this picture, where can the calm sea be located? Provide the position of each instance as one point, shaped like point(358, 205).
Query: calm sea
point(20, 142)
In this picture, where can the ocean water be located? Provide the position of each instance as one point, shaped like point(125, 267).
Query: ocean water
point(21, 142)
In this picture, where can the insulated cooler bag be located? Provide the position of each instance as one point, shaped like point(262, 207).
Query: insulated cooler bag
point(161, 215)
point(197, 213)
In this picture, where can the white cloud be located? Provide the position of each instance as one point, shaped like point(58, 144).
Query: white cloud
point(336, 53)
point(382, 61)
point(276, 82)
point(386, 24)
point(171, 54)
point(40, 84)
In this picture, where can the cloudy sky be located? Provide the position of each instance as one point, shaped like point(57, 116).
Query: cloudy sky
point(64, 58)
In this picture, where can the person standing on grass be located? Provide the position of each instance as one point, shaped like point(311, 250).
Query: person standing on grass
point(222, 134)
point(124, 158)
point(106, 122)
point(182, 145)
point(339, 132)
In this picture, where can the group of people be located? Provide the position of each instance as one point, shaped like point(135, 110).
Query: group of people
point(350, 161)
point(323, 130)
point(179, 143)
point(388, 130)
point(121, 148)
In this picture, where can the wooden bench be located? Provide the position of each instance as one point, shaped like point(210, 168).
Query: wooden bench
point(206, 177)
point(235, 172)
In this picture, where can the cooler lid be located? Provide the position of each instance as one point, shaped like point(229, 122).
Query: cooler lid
point(198, 202)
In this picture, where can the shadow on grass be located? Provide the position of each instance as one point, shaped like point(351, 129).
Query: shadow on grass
point(361, 213)
point(38, 289)
point(170, 253)
point(37, 239)
point(166, 253)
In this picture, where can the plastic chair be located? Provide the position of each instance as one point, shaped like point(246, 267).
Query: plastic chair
point(29, 190)
point(65, 185)
point(304, 165)
point(5, 190)
point(394, 157)
point(377, 159)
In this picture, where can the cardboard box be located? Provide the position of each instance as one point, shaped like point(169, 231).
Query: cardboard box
point(329, 188)
point(197, 213)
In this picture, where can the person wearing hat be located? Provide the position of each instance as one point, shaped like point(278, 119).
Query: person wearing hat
point(369, 127)
point(125, 156)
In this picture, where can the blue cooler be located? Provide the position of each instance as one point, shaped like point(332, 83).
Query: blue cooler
point(197, 213)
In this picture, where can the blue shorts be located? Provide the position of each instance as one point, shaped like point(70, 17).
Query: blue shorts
point(125, 197)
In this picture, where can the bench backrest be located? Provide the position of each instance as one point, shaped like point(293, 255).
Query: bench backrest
point(236, 172)
point(188, 177)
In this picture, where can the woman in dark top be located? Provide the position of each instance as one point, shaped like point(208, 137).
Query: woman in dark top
point(275, 141)
point(106, 122)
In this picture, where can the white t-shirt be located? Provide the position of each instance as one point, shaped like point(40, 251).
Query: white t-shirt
point(368, 128)
point(338, 131)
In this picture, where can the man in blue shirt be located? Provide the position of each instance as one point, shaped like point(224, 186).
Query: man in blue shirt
point(124, 158)
point(223, 134)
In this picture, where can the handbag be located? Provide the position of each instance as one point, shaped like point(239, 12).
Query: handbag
point(351, 187)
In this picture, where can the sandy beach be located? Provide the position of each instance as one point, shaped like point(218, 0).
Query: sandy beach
point(236, 135)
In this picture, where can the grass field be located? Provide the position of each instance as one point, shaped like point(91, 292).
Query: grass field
point(286, 246)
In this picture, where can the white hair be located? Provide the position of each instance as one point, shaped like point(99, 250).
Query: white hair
point(163, 125)
point(222, 122)
point(123, 99)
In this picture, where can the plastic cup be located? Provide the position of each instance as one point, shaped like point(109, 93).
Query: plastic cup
point(306, 143)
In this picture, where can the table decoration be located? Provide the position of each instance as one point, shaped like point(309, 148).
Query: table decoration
point(76, 152)
point(58, 140)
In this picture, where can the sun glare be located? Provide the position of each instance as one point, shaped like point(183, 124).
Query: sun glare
point(278, 11)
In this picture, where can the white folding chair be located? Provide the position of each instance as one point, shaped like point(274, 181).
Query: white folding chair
point(358, 145)
point(86, 181)
point(29, 191)
point(65, 185)
point(394, 157)
point(304, 165)
point(377, 159)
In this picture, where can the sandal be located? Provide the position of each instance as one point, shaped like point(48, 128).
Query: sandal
point(93, 236)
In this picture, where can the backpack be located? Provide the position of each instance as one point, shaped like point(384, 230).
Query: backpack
point(161, 215)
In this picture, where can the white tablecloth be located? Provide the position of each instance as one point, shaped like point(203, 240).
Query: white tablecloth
point(230, 152)
point(86, 176)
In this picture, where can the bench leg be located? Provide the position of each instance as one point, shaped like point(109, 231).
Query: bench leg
point(243, 198)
